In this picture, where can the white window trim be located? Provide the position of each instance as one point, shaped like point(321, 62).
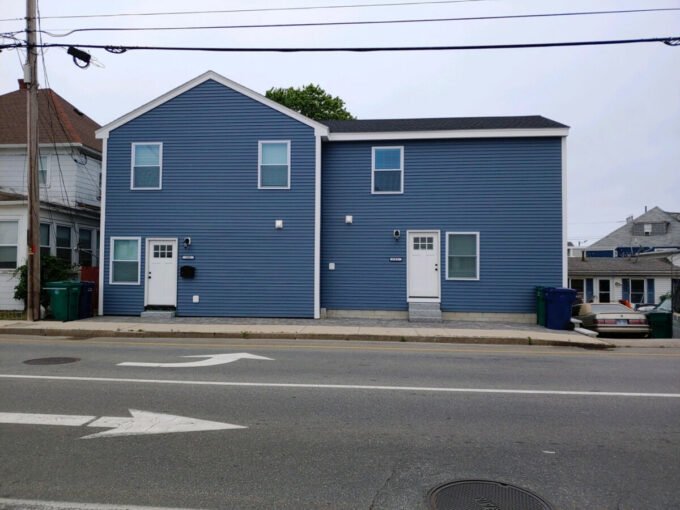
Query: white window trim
point(160, 164)
point(139, 259)
point(56, 238)
point(401, 169)
point(16, 262)
point(259, 164)
point(476, 234)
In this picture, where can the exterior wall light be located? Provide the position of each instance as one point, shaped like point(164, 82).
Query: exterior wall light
point(278, 224)
point(349, 219)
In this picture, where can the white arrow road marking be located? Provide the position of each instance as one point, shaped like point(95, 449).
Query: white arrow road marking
point(140, 423)
point(213, 359)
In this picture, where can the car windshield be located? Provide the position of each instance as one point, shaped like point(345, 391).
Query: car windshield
point(610, 308)
point(664, 306)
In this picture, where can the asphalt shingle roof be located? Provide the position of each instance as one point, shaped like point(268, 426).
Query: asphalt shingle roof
point(628, 266)
point(440, 124)
point(53, 112)
point(624, 237)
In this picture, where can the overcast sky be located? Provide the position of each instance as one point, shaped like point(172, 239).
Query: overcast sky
point(622, 102)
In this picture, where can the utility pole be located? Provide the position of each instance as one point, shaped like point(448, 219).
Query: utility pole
point(33, 236)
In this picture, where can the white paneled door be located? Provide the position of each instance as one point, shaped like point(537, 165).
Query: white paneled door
point(161, 272)
point(423, 265)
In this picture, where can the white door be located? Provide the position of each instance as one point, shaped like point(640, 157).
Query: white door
point(161, 272)
point(423, 265)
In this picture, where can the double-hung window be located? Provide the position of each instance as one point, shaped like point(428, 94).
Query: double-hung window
point(45, 244)
point(9, 239)
point(43, 168)
point(462, 255)
point(85, 246)
point(274, 165)
point(147, 165)
point(125, 255)
point(64, 248)
point(387, 174)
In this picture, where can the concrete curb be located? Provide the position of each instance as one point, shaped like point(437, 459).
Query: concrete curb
point(245, 334)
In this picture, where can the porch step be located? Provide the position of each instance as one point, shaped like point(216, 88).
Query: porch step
point(158, 314)
point(424, 312)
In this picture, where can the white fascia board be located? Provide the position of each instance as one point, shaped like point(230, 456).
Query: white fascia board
point(103, 132)
point(454, 133)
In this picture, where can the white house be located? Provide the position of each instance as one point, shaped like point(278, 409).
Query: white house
point(70, 178)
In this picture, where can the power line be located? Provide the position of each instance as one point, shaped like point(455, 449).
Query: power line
point(369, 22)
point(670, 41)
point(263, 9)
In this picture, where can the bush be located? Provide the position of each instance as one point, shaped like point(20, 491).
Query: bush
point(51, 269)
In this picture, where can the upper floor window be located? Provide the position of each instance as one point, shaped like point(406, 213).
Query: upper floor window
point(43, 169)
point(9, 239)
point(274, 165)
point(462, 256)
point(147, 165)
point(387, 175)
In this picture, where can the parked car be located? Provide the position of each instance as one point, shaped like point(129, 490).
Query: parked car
point(611, 318)
point(645, 307)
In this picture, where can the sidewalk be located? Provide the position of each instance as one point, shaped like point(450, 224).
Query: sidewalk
point(326, 329)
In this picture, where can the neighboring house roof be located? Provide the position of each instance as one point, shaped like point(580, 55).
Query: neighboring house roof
point(665, 232)
point(441, 124)
point(629, 266)
point(10, 196)
point(59, 121)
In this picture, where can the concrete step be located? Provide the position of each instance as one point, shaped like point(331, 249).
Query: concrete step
point(158, 314)
point(424, 312)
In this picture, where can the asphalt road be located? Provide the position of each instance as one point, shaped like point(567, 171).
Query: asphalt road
point(338, 425)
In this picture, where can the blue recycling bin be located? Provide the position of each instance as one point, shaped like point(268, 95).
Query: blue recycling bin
point(85, 309)
point(558, 303)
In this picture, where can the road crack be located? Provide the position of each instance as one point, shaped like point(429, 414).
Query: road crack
point(383, 486)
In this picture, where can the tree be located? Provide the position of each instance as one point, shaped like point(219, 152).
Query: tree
point(51, 269)
point(311, 101)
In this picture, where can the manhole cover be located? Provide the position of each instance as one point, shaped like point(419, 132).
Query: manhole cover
point(51, 361)
point(484, 495)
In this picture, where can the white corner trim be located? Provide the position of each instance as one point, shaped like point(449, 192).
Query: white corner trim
point(132, 166)
point(401, 169)
point(565, 242)
point(454, 133)
point(102, 231)
point(479, 257)
point(139, 258)
point(259, 164)
point(209, 75)
point(317, 230)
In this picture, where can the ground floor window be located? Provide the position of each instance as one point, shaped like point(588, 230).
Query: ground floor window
point(9, 240)
point(125, 256)
point(64, 251)
point(462, 255)
point(604, 292)
point(85, 246)
point(639, 290)
point(45, 244)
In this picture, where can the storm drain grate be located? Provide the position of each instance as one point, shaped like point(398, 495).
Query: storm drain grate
point(51, 361)
point(484, 495)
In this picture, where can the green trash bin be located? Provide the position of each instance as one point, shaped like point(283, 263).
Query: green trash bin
point(660, 324)
point(540, 306)
point(64, 299)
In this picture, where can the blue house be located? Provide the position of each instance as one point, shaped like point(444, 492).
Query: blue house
point(220, 202)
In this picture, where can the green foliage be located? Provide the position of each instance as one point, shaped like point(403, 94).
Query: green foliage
point(311, 101)
point(51, 269)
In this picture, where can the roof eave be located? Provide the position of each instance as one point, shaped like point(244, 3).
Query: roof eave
point(453, 133)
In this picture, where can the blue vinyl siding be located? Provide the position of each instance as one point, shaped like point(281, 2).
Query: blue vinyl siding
point(244, 267)
point(508, 190)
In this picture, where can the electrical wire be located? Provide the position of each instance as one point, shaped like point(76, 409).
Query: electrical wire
point(263, 9)
point(357, 23)
point(670, 40)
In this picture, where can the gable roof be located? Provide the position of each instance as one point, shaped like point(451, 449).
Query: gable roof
point(620, 266)
point(209, 75)
point(440, 124)
point(58, 120)
point(625, 236)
